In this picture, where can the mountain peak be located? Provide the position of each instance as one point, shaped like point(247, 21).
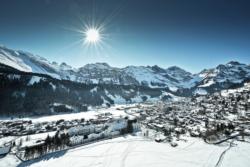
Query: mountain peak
point(177, 69)
point(157, 69)
point(172, 68)
point(234, 63)
point(65, 66)
point(99, 65)
point(103, 64)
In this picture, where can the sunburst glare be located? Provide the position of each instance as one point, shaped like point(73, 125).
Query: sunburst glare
point(92, 35)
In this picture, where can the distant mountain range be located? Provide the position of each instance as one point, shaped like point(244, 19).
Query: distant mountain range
point(131, 84)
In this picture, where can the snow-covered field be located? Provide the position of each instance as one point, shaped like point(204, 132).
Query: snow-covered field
point(91, 114)
point(133, 151)
point(86, 115)
point(9, 161)
point(6, 139)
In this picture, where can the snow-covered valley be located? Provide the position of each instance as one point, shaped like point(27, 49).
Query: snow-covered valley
point(98, 115)
point(166, 134)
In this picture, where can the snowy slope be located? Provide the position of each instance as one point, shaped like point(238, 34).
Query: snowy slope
point(146, 76)
point(95, 73)
point(233, 72)
point(136, 151)
point(27, 62)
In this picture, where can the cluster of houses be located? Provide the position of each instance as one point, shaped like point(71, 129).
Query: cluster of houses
point(71, 133)
point(27, 127)
point(214, 117)
point(112, 128)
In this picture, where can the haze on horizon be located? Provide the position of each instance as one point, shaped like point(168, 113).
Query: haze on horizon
point(190, 34)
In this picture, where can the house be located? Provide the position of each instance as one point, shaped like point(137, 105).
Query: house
point(81, 130)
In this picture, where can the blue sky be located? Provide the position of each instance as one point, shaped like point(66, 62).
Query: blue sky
point(191, 34)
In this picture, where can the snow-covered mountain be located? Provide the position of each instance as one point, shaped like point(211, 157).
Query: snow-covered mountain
point(154, 76)
point(26, 62)
point(233, 71)
point(35, 94)
point(29, 82)
point(222, 77)
point(173, 78)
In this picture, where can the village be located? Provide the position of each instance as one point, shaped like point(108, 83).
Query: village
point(214, 118)
point(61, 134)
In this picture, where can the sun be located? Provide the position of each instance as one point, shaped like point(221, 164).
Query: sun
point(92, 35)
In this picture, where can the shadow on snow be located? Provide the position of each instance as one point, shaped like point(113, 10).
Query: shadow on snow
point(43, 158)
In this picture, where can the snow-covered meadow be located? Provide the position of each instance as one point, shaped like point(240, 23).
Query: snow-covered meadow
point(91, 114)
point(132, 151)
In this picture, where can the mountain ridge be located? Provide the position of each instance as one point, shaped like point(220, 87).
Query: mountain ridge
point(174, 78)
point(31, 85)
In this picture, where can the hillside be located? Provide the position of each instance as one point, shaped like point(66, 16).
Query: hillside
point(32, 85)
